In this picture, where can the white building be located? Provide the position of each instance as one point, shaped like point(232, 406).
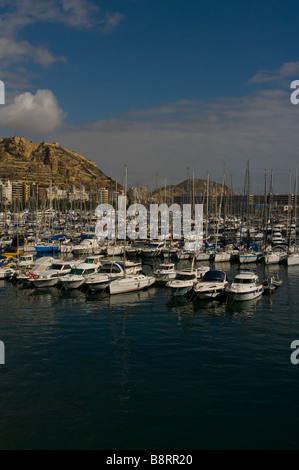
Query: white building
point(6, 191)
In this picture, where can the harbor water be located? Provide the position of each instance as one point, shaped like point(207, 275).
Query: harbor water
point(147, 371)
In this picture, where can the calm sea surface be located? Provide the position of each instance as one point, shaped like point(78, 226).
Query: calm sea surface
point(144, 371)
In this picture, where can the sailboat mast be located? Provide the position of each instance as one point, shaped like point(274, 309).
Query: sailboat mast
point(125, 222)
point(265, 211)
point(207, 210)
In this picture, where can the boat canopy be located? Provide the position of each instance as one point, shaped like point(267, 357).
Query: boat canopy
point(214, 276)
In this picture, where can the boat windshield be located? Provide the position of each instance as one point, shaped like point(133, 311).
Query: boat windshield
point(110, 269)
point(25, 258)
point(185, 277)
point(244, 281)
point(213, 276)
point(76, 272)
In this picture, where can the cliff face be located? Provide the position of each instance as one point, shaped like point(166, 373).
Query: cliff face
point(23, 160)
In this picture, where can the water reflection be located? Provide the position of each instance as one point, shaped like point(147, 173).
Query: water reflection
point(42, 296)
point(120, 301)
point(247, 308)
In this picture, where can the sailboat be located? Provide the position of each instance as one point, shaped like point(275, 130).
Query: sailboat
point(247, 255)
point(293, 258)
point(130, 282)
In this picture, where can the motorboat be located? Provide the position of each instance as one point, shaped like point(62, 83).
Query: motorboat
point(96, 260)
point(245, 286)
point(185, 280)
point(211, 286)
point(153, 250)
point(109, 271)
point(271, 284)
point(26, 261)
point(165, 273)
point(131, 283)
point(45, 279)
point(293, 259)
point(277, 238)
point(87, 246)
point(25, 277)
point(78, 276)
point(51, 277)
point(6, 273)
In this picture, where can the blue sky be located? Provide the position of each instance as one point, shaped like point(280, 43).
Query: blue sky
point(161, 86)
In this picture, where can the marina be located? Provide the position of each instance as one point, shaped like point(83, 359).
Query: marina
point(131, 333)
point(149, 228)
point(119, 364)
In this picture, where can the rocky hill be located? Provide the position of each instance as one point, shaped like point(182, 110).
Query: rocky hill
point(23, 160)
point(186, 188)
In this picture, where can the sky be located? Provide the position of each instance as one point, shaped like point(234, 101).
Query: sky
point(170, 88)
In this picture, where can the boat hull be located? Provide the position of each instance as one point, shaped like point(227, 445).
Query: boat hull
point(237, 296)
point(293, 260)
point(39, 283)
point(125, 285)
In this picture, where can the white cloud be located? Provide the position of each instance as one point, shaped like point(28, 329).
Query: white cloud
point(287, 70)
point(39, 113)
point(204, 136)
point(18, 14)
point(12, 51)
point(78, 14)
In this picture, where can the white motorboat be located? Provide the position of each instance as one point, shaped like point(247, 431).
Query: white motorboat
point(165, 273)
point(277, 238)
point(45, 279)
point(293, 259)
point(87, 246)
point(245, 286)
point(95, 259)
point(26, 261)
point(6, 273)
point(52, 276)
point(26, 277)
point(78, 276)
point(109, 271)
point(211, 286)
point(153, 250)
point(185, 279)
point(131, 283)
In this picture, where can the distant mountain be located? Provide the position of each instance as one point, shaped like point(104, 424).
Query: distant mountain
point(186, 187)
point(26, 161)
